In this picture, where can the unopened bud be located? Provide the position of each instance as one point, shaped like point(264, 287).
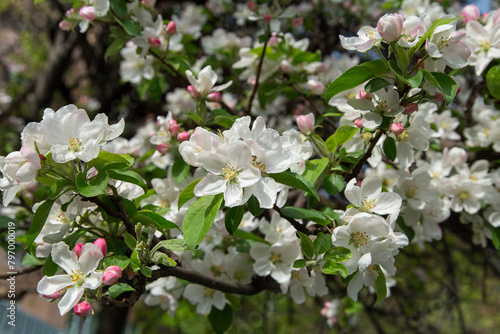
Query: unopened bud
point(193, 92)
point(173, 127)
point(214, 97)
point(148, 3)
point(251, 5)
point(83, 309)
point(65, 25)
point(397, 128)
point(171, 28)
point(111, 275)
point(273, 41)
point(153, 42)
point(470, 13)
point(410, 108)
point(390, 27)
point(298, 21)
point(87, 13)
point(101, 243)
point(359, 123)
point(286, 66)
point(183, 136)
point(163, 148)
point(78, 249)
point(267, 18)
point(364, 95)
point(55, 295)
point(305, 123)
point(315, 86)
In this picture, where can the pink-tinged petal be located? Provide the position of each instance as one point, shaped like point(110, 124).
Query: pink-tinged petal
point(355, 286)
point(249, 176)
point(353, 193)
point(265, 191)
point(64, 258)
point(387, 203)
point(70, 299)
point(210, 185)
point(192, 80)
point(371, 186)
point(32, 156)
point(89, 258)
point(49, 285)
point(233, 194)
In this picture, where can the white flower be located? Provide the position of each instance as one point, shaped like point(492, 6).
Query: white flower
point(485, 42)
point(370, 198)
point(448, 44)
point(135, 66)
point(204, 298)
point(367, 36)
point(80, 274)
point(72, 135)
point(275, 260)
point(201, 140)
point(207, 78)
point(165, 292)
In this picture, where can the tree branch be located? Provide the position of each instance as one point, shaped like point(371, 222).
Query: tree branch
point(257, 77)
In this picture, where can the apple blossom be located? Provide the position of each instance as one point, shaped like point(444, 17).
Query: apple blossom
point(305, 123)
point(470, 13)
point(390, 27)
point(82, 309)
point(111, 275)
point(101, 243)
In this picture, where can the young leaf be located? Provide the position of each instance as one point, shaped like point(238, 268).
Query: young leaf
point(41, 214)
point(295, 181)
point(233, 218)
point(94, 187)
point(322, 243)
point(390, 149)
point(199, 218)
point(314, 168)
point(49, 267)
point(338, 254)
point(334, 268)
point(254, 206)
point(301, 213)
point(340, 137)
point(444, 83)
point(117, 289)
point(121, 261)
point(130, 240)
point(58, 186)
point(180, 170)
point(187, 194)
point(127, 176)
point(221, 320)
point(376, 84)
point(307, 245)
point(105, 157)
point(176, 245)
point(380, 286)
point(333, 184)
point(493, 81)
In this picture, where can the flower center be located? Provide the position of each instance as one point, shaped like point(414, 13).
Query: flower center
point(359, 239)
point(404, 137)
point(229, 173)
point(463, 195)
point(75, 144)
point(77, 277)
point(275, 258)
point(209, 292)
point(258, 164)
point(485, 45)
point(368, 204)
point(372, 270)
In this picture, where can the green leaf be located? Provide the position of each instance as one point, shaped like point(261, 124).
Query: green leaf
point(444, 83)
point(300, 263)
point(41, 214)
point(376, 84)
point(199, 218)
point(380, 286)
point(254, 206)
point(221, 320)
point(176, 245)
point(295, 181)
point(187, 194)
point(49, 267)
point(105, 157)
point(301, 213)
point(121, 261)
point(355, 76)
point(322, 243)
point(333, 268)
point(127, 176)
point(496, 238)
point(94, 187)
point(119, 7)
point(333, 184)
point(130, 240)
point(57, 187)
point(340, 137)
point(146, 271)
point(412, 81)
point(307, 245)
point(162, 258)
point(130, 27)
point(129, 206)
point(493, 81)
point(117, 289)
point(390, 149)
point(148, 217)
point(224, 121)
point(114, 48)
point(338, 254)
point(249, 236)
point(233, 218)
point(180, 170)
point(314, 168)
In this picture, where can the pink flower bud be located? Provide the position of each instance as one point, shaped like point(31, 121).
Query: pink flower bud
point(193, 92)
point(397, 128)
point(148, 3)
point(364, 95)
point(83, 309)
point(78, 249)
point(470, 13)
point(55, 295)
point(273, 41)
point(298, 21)
point(251, 5)
point(315, 86)
point(171, 28)
point(347, 4)
point(174, 128)
point(323, 67)
point(305, 123)
point(65, 25)
point(267, 18)
point(359, 123)
point(410, 108)
point(214, 97)
point(458, 91)
point(286, 66)
point(153, 42)
point(183, 136)
point(101, 243)
point(251, 81)
point(87, 13)
point(163, 148)
point(111, 275)
point(390, 27)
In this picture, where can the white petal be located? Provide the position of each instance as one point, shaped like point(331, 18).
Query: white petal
point(49, 285)
point(70, 299)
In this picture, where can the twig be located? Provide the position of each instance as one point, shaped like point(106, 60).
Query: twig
point(298, 226)
point(355, 171)
point(254, 90)
point(21, 272)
